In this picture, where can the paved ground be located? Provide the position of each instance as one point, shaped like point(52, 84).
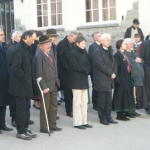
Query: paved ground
point(131, 135)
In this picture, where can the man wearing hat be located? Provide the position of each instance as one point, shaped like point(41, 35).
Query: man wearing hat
point(131, 31)
point(46, 67)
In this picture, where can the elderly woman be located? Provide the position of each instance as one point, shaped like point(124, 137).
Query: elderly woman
point(123, 100)
point(137, 73)
point(80, 68)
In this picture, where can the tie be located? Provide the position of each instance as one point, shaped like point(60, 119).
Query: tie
point(51, 60)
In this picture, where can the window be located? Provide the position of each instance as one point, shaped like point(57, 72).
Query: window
point(100, 10)
point(49, 13)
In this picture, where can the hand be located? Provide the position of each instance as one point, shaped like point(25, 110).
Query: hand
point(46, 90)
point(138, 60)
point(113, 76)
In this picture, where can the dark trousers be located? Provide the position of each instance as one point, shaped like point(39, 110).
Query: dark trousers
point(12, 107)
point(2, 116)
point(104, 105)
point(51, 110)
point(22, 114)
point(68, 96)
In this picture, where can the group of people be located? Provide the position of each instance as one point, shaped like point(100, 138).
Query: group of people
point(65, 66)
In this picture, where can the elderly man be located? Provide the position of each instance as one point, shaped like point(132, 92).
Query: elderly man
point(137, 73)
point(145, 55)
point(46, 67)
point(16, 36)
point(104, 73)
point(21, 83)
point(97, 41)
point(4, 77)
point(64, 48)
point(131, 31)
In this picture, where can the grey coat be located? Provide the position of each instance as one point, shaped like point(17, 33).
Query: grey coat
point(137, 70)
point(44, 69)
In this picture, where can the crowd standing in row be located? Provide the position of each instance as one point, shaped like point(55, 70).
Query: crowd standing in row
point(64, 68)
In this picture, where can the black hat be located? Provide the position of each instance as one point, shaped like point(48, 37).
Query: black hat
point(51, 33)
point(44, 39)
point(136, 21)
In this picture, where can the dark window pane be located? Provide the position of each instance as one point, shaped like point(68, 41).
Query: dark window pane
point(45, 11)
point(59, 7)
point(38, 1)
point(88, 16)
point(88, 4)
point(39, 21)
point(112, 3)
point(39, 11)
point(112, 14)
point(105, 14)
point(59, 19)
point(104, 3)
point(95, 4)
point(95, 15)
point(44, 1)
point(53, 20)
point(45, 21)
point(53, 8)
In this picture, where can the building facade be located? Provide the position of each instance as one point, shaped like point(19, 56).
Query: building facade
point(85, 16)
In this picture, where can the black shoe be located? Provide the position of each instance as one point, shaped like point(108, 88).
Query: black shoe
point(95, 108)
point(70, 114)
point(34, 106)
point(112, 121)
point(80, 127)
point(56, 129)
point(58, 103)
point(57, 118)
point(88, 126)
point(31, 122)
point(31, 134)
point(122, 118)
point(13, 123)
point(130, 115)
point(46, 131)
point(104, 122)
point(136, 114)
point(0, 132)
point(24, 136)
point(62, 99)
point(6, 128)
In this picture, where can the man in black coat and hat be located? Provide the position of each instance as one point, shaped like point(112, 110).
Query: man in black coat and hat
point(64, 48)
point(4, 81)
point(131, 31)
point(22, 83)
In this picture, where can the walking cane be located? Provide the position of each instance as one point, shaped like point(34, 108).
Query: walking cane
point(38, 82)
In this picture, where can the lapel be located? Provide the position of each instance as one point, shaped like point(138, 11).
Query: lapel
point(47, 59)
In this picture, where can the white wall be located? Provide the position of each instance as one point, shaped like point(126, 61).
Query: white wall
point(144, 12)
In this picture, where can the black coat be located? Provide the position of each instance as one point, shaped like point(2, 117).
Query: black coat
point(21, 80)
point(122, 79)
point(4, 78)
point(137, 70)
point(92, 47)
point(147, 37)
point(128, 33)
point(63, 52)
point(80, 67)
point(104, 66)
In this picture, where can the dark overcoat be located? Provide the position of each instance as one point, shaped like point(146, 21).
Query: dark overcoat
point(22, 75)
point(137, 70)
point(63, 52)
point(92, 47)
point(104, 66)
point(129, 30)
point(80, 67)
point(4, 78)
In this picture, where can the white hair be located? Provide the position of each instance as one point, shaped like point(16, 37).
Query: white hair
point(104, 35)
point(71, 33)
point(1, 29)
point(127, 40)
point(15, 33)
